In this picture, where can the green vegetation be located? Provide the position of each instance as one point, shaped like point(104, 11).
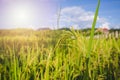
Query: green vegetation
point(58, 55)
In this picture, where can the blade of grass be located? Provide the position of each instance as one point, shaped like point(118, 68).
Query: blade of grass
point(58, 17)
point(93, 30)
point(91, 41)
point(14, 59)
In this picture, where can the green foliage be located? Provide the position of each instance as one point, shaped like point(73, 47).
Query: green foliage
point(37, 58)
point(58, 55)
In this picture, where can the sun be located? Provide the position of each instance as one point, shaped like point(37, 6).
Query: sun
point(28, 14)
point(21, 15)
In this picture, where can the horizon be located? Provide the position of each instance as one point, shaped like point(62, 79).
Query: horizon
point(35, 14)
point(46, 28)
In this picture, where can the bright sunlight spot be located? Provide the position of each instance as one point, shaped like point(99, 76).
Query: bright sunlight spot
point(21, 15)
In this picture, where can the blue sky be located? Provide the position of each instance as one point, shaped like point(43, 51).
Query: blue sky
point(43, 13)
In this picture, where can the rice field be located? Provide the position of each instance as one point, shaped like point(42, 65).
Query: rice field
point(58, 55)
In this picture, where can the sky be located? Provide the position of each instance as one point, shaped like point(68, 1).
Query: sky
point(37, 14)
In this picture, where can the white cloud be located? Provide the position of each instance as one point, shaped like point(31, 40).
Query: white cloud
point(105, 25)
point(79, 17)
point(116, 26)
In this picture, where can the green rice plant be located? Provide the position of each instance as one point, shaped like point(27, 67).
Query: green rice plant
point(59, 55)
point(91, 41)
point(64, 61)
